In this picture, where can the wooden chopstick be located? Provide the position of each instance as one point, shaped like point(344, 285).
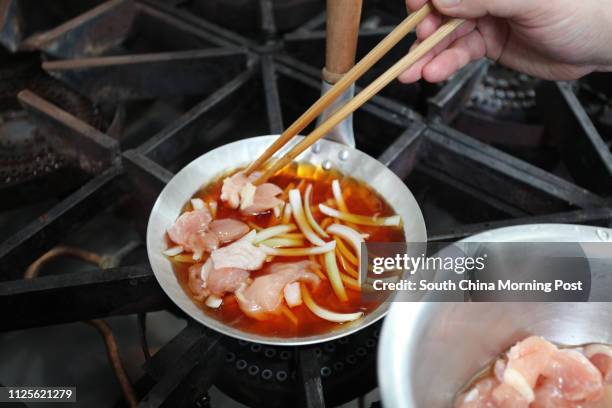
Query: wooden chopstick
point(379, 83)
point(344, 83)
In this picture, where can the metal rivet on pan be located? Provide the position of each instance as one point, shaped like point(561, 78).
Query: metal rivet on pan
point(343, 155)
point(327, 165)
point(316, 148)
point(603, 235)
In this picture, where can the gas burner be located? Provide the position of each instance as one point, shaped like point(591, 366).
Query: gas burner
point(595, 93)
point(245, 16)
point(28, 160)
point(504, 94)
point(269, 376)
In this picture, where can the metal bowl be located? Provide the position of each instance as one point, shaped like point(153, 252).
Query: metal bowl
point(428, 351)
point(217, 162)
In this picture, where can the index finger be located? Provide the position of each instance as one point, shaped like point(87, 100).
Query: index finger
point(415, 4)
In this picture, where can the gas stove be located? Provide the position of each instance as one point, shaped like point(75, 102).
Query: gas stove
point(101, 102)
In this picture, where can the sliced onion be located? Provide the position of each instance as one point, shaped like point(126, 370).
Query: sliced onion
point(254, 226)
point(212, 206)
point(291, 235)
point(289, 314)
point(214, 302)
point(277, 210)
point(337, 192)
point(330, 246)
point(197, 255)
point(283, 242)
point(249, 236)
point(313, 223)
point(353, 237)
point(393, 221)
point(325, 313)
point(197, 204)
point(286, 214)
point(346, 265)
point(272, 232)
point(334, 276)
point(293, 295)
point(295, 199)
point(346, 252)
point(350, 283)
point(173, 251)
point(183, 258)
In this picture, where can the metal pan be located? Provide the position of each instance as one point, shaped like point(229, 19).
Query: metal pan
point(428, 351)
point(217, 162)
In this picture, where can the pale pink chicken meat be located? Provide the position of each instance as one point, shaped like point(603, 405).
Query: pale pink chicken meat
point(263, 199)
point(225, 280)
point(479, 396)
point(264, 296)
point(230, 190)
point(196, 284)
point(241, 254)
point(601, 356)
point(190, 231)
point(228, 230)
point(539, 375)
point(574, 375)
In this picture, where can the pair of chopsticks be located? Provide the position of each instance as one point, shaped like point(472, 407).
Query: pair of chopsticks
point(345, 82)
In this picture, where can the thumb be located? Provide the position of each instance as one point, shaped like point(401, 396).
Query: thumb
point(480, 8)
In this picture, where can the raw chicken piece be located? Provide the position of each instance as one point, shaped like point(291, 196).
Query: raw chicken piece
point(264, 296)
point(604, 402)
point(226, 280)
point(574, 375)
point(479, 396)
point(241, 254)
point(228, 230)
point(196, 284)
point(238, 192)
point(526, 361)
point(506, 396)
point(230, 191)
point(189, 231)
point(548, 395)
point(264, 199)
point(601, 356)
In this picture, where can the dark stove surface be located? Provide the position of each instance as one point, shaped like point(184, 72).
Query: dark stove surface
point(102, 102)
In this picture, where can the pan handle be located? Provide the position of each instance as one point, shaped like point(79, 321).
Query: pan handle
point(342, 28)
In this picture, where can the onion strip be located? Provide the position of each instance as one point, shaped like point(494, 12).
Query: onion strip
point(272, 232)
point(213, 301)
point(393, 221)
point(325, 313)
point(346, 252)
point(350, 283)
point(286, 214)
point(212, 206)
point(338, 196)
point(289, 314)
point(282, 242)
point(334, 276)
point(295, 199)
point(305, 251)
point(346, 265)
point(173, 251)
point(183, 258)
point(353, 237)
point(197, 204)
point(308, 213)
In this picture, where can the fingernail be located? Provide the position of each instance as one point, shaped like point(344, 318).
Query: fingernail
point(448, 3)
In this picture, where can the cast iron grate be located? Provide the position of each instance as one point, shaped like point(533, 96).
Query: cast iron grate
point(237, 81)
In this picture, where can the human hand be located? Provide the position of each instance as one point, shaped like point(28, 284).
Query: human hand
point(554, 39)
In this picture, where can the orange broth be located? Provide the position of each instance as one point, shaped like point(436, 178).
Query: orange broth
point(359, 198)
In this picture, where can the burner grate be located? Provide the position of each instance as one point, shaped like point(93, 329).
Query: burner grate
point(137, 123)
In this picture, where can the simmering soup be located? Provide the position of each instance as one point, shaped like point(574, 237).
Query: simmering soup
point(280, 258)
